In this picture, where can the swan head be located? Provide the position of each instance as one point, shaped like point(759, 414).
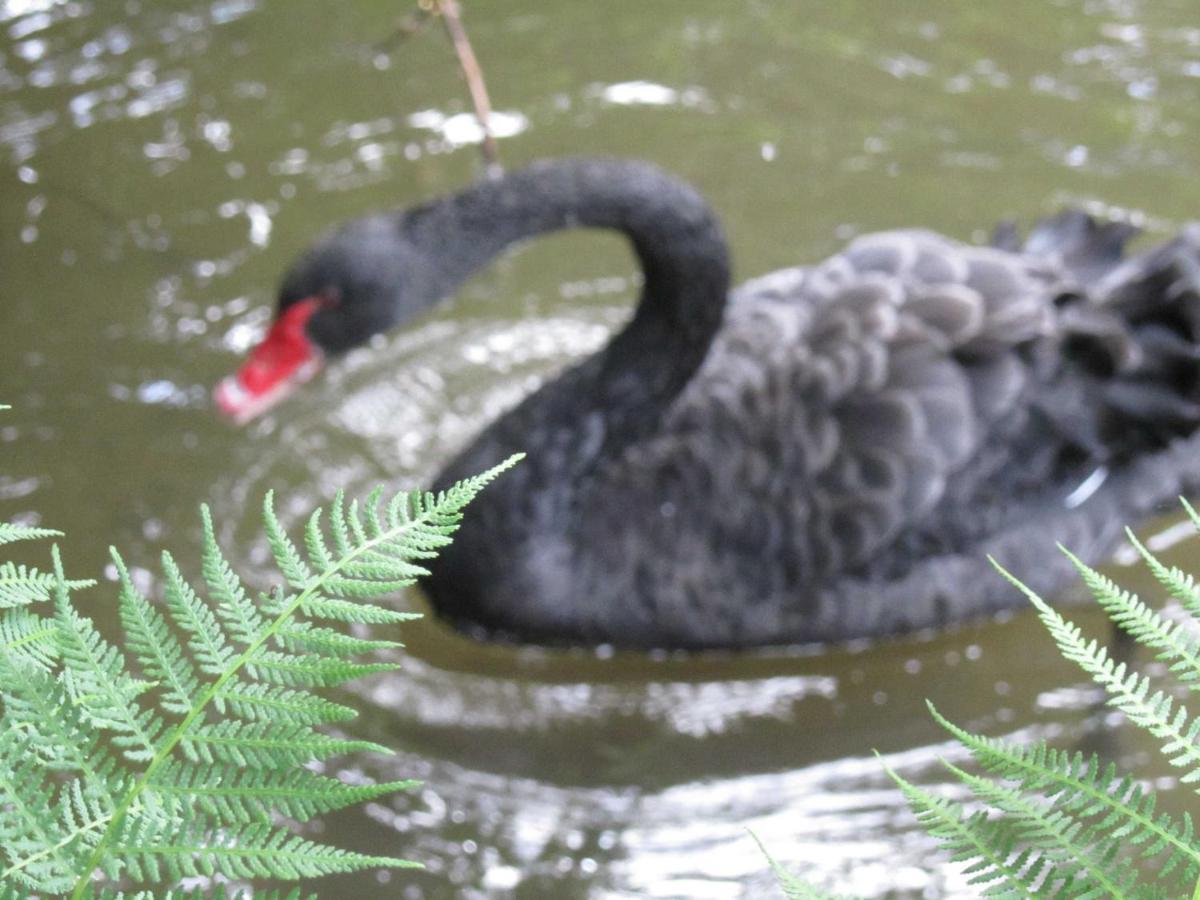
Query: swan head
point(359, 281)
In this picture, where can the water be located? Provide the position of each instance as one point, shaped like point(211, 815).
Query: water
point(161, 163)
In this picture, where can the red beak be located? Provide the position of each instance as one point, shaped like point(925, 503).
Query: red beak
point(286, 358)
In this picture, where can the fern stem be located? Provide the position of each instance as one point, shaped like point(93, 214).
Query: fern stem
point(998, 756)
point(1137, 619)
point(945, 820)
point(1128, 691)
point(176, 734)
point(1051, 833)
point(50, 851)
point(21, 806)
point(34, 637)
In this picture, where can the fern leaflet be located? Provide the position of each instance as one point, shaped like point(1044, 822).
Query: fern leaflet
point(1171, 640)
point(1128, 691)
point(179, 753)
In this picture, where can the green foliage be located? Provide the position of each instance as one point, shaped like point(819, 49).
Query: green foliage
point(1046, 822)
point(180, 753)
point(793, 888)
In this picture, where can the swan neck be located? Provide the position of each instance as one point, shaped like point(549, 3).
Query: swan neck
point(672, 231)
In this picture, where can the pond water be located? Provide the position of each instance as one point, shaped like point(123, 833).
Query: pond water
point(161, 163)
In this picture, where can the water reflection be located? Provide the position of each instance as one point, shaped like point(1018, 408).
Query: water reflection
point(462, 129)
point(647, 93)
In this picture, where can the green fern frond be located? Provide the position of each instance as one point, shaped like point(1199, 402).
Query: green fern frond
point(232, 793)
point(264, 702)
point(209, 892)
point(205, 637)
point(10, 533)
point(1058, 855)
point(236, 610)
point(987, 844)
point(39, 707)
point(1178, 583)
point(287, 557)
point(1155, 711)
point(162, 656)
point(273, 745)
point(96, 676)
point(185, 766)
point(1191, 512)
point(1063, 824)
point(794, 888)
point(1117, 807)
point(28, 829)
point(147, 850)
point(346, 611)
point(308, 638)
point(28, 637)
point(1171, 640)
point(291, 670)
point(21, 585)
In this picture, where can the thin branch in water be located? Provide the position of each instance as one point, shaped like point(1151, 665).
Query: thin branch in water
point(475, 83)
point(448, 10)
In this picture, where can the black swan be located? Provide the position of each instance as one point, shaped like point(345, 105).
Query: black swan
point(825, 453)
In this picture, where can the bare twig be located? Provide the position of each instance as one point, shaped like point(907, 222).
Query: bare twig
point(475, 83)
point(448, 10)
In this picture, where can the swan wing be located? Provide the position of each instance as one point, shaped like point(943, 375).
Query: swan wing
point(857, 391)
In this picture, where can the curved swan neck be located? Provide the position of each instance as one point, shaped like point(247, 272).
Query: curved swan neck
point(673, 232)
point(461, 233)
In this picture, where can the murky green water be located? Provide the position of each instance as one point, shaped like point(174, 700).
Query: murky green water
point(160, 163)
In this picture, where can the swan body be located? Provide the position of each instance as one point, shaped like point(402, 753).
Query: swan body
point(824, 453)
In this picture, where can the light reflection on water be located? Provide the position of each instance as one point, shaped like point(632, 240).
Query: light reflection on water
point(162, 162)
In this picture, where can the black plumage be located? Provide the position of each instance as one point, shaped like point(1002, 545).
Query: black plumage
point(826, 452)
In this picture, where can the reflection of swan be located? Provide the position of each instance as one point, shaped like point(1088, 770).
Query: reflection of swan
point(829, 455)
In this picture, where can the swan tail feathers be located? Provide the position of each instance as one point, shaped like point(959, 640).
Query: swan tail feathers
point(1139, 328)
point(1165, 277)
point(1088, 247)
point(1128, 323)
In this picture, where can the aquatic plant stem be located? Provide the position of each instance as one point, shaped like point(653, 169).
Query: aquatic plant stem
point(451, 18)
point(448, 11)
